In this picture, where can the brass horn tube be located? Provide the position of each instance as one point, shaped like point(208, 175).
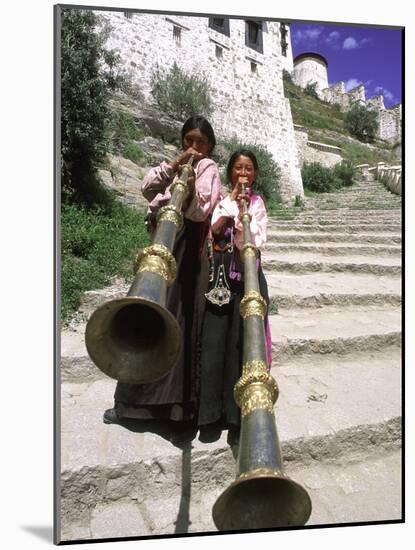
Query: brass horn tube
point(135, 339)
point(261, 496)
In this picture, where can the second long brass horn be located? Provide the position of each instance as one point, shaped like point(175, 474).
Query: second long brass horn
point(135, 339)
point(261, 496)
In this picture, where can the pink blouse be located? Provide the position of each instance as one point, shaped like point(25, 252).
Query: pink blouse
point(157, 181)
point(229, 209)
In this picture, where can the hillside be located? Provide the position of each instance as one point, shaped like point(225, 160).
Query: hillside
point(325, 123)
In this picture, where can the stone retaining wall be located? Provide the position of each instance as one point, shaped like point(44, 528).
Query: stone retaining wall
point(313, 151)
point(390, 176)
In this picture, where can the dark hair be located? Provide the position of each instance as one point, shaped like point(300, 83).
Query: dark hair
point(201, 124)
point(235, 155)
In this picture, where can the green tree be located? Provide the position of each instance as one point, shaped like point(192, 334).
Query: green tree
point(88, 76)
point(361, 122)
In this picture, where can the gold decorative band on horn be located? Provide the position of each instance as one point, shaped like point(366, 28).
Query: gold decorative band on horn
point(245, 217)
point(249, 249)
point(256, 396)
point(253, 304)
point(262, 472)
point(172, 214)
point(256, 388)
point(182, 187)
point(157, 258)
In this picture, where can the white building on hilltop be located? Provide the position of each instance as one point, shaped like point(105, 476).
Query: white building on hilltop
point(312, 67)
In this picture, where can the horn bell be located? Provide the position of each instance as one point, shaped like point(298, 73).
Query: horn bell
point(262, 500)
point(134, 340)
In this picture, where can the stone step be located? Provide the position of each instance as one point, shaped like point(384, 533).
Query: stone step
point(299, 263)
point(370, 198)
point(356, 208)
point(381, 229)
point(350, 490)
point(124, 476)
point(329, 249)
point(354, 192)
point(319, 218)
point(375, 213)
point(322, 289)
point(339, 394)
point(356, 213)
point(337, 221)
point(353, 491)
point(284, 236)
point(334, 329)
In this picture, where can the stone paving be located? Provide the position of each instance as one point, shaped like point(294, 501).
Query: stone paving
point(334, 276)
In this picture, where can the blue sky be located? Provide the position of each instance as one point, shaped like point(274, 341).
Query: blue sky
point(356, 55)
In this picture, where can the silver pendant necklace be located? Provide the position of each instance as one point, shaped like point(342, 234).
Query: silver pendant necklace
point(221, 294)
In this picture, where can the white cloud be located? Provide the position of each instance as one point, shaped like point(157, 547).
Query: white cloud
point(310, 34)
point(351, 83)
point(333, 37)
point(333, 40)
point(350, 43)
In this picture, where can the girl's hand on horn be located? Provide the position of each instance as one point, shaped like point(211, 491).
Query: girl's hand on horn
point(184, 158)
point(238, 193)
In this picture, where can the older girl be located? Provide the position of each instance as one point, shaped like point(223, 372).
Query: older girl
point(174, 397)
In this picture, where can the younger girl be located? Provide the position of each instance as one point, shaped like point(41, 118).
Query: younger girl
point(222, 336)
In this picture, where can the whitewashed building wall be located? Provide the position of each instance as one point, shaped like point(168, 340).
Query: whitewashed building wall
point(247, 85)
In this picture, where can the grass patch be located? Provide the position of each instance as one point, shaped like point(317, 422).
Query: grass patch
point(97, 244)
point(312, 112)
point(133, 152)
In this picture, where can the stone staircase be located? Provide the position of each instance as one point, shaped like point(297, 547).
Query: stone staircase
point(334, 277)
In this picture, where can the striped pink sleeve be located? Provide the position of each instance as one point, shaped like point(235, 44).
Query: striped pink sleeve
point(259, 220)
point(258, 225)
point(207, 191)
point(156, 181)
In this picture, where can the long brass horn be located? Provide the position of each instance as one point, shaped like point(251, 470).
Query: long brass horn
point(261, 496)
point(135, 339)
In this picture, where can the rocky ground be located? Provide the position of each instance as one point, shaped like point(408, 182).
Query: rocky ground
point(334, 275)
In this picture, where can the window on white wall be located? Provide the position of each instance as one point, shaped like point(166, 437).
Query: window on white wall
point(218, 52)
point(284, 41)
point(253, 35)
point(220, 24)
point(177, 34)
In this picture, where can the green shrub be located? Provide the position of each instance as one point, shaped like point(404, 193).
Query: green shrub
point(298, 202)
point(133, 152)
point(96, 244)
point(180, 94)
point(88, 76)
point(361, 122)
point(287, 77)
point(123, 130)
point(344, 171)
point(311, 90)
point(269, 173)
point(318, 178)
